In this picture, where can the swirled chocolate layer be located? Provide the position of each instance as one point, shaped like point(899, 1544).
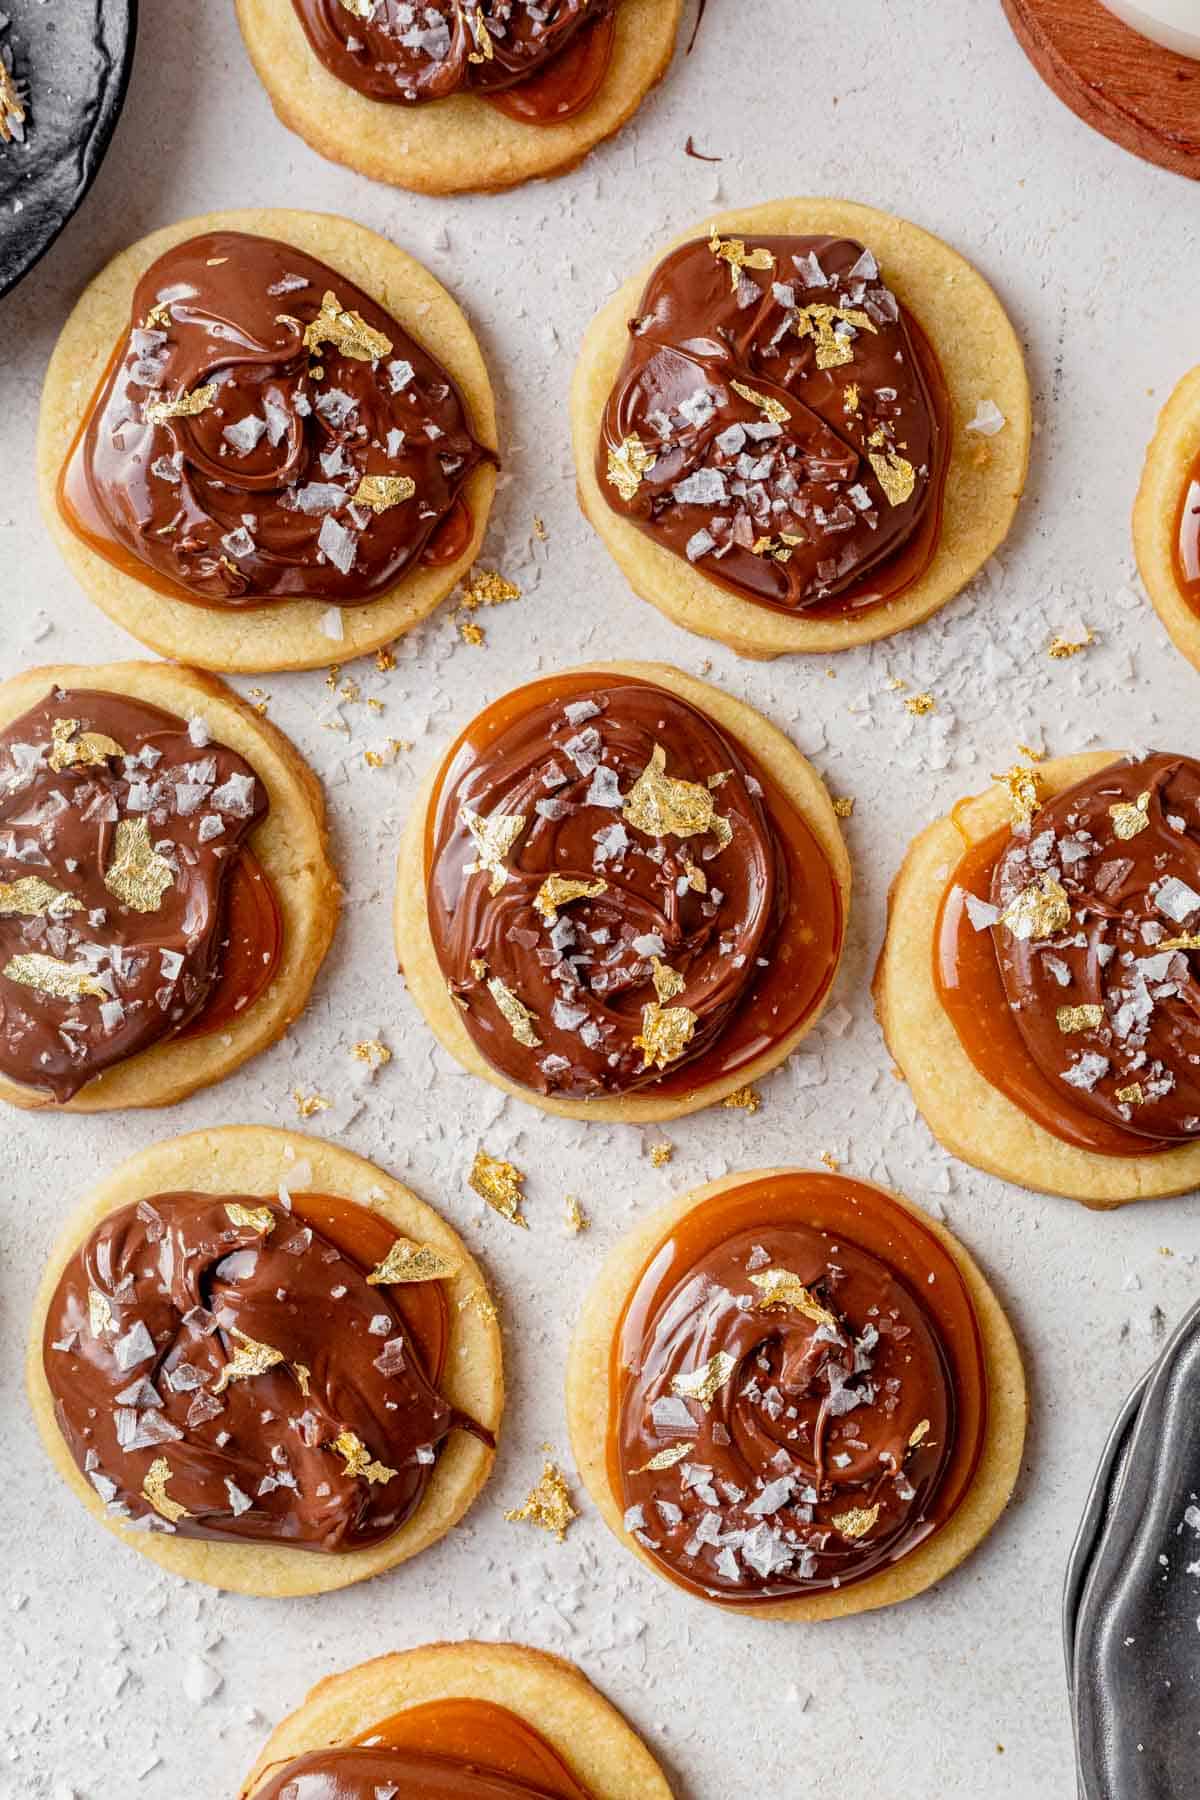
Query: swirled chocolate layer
point(799, 1390)
point(1098, 898)
point(222, 1368)
point(605, 886)
point(122, 830)
point(409, 54)
point(267, 431)
point(779, 422)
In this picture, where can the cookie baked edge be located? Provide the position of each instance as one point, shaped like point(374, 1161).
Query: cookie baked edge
point(1170, 455)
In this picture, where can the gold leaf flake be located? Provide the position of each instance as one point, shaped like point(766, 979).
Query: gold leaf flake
point(734, 252)
point(252, 1218)
point(697, 880)
point(1130, 817)
point(470, 633)
point(1060, 647)
point(557, 890)
point(857, 1522)
point(1190, 940)
point(158, 318)
point(627, 464)
point(658, 803)
point(308, 1105)
point(358, 1459)
point(843, 806)
point(12, 109)
point(32, 898)
point(379, 492)
point(665, 1459)
point(485, 51)
point(1024, 792)
point(249, 1358)
point(781, 1290)
point(360, 9)
point(137, 874)
point(1079, 1018)
point(407, 1262)
point(743, 1099)
point(918, 1434)
point(548, 1505)
point(774, 410)
point(577, 1219)
point(521, 1022)
point(100, 1314)
point(1039, 910)
point(831, 1162)
point(850, 398)
point(499, 1183)
point(666, 1033)
point(494, 837)
point(57, 980)
point(894, 473)
point(154, 1488)
point(90, 749)
point(820, 321)
point(667, 981)
point(920, 704)
point(346, 331)
point(303, 1376)
point(480, 1301)
point(705, 1384)
point(370, 1051)
point(661, 1154)
point(1133, 1095)
point(180, 406)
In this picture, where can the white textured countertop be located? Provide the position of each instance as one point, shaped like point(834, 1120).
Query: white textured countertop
point(121, 1682)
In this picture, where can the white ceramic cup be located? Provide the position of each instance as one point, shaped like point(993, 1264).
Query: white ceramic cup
point(1174, 23)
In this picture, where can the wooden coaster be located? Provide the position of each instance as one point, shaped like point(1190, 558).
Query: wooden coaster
point(1143, 97)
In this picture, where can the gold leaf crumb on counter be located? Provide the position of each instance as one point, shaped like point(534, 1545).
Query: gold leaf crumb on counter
point(832, 1163)
point(499, 1183)
point(487, 587)
point(627, 464)
point(471, 633)
point(548, 1505)
point(57, 980)
point(346, 331)
point(251, 1218)
point(359, 1461)
point(154, 1489)
point(309, 1105)
point(1059, 647)
point(704, 1384)
point(380, 492)
point(843, 806)
point(743, 1099)
point(371, 1051)
point(920, 704)
point(137, 875)
point(857, 1521)
point(661, 1154)
point(12, 107)
point(408, 1262)
point(577, 1219)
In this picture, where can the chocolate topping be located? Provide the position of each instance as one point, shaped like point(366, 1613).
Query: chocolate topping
point(360, 1773)
point(393, 52)
point(266, 431)
point(604, 882)
point(1100, 897)
point(120, 830)
point(799, 1390)
point(223, 1369)
point(779, 421)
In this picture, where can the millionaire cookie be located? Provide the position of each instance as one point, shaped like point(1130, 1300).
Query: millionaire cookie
point(264, 1364)
point(795, 1396)
point(443, 97)
point(1166, 517)
point(805, 427)
point(1036, 984)
point(166, 894)
point(267, 441)
point(621, 894)
point(463, 1721)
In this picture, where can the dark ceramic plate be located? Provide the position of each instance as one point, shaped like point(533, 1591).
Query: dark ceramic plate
point(71, 61)
point(1132, 1606)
